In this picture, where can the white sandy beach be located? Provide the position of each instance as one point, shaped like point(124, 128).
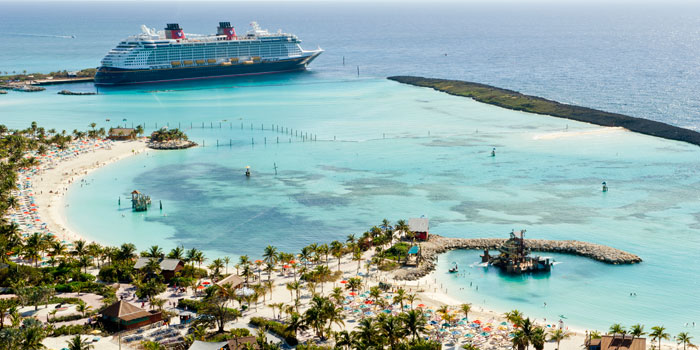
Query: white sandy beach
point(51, 185)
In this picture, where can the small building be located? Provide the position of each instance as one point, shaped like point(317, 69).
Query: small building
point(168, 267)
point(122, 134)
point(419, 227)
point(610, 342)
point(125, 316)
point(234, 280)
point(413, 256)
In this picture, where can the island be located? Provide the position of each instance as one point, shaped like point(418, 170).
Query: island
point(520, 102)
point(169, 139)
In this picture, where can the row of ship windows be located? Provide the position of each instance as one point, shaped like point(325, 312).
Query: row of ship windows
point(173, 55)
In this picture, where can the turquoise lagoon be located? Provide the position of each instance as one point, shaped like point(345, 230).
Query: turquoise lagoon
point(386, 150)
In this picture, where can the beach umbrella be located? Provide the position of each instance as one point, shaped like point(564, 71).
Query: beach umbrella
point(353, 293)
point(446, 324)
point(200, 287)
point(504, 323)
point(477, 322)
point(343, 281)
point(433, 322)
point(286, 266)
point(368, 301)
point(421, 305)
point(206, 283)
point(456, 333)
point(487, 329)
point(387, 311)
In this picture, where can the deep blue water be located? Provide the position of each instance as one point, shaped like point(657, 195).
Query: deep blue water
point(638, 59)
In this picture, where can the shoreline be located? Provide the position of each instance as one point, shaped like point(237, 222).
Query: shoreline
point(51, 206)
point(517, 101)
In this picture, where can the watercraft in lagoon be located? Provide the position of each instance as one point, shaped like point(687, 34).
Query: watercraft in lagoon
point(173, 55)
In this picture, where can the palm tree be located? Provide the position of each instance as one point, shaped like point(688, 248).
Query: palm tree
point(558, 335)
point(415, 322)
point(637, 330)
point(82, 307)
point(77, 343)
point(227, 260)
point(466, 308)
point(515, 317)
point(177, 253)
point(520, 340)
point(270, 255)
point(296, 323)
point(154, 252)
point(411, 298)
point(659, 333)
point(392, 330)
point(357, 256)
point(538, 338)
point(684, 338)
point(342, 339)
point(616, 329)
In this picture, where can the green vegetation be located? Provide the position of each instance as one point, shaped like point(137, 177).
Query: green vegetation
point(514, 100)
point(24, 76)
point(163, 135)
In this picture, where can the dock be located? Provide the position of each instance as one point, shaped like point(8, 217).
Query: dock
point(436, 245)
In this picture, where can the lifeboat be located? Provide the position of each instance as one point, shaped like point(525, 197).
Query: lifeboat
point(248, 62)
point(234, 60)
point(200, 61)
point(187, 62)
point(175, 63)
point(256, 58)
point(211, 60)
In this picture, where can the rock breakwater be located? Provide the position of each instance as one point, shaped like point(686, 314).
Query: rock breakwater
point(437, 245)
point(173, 144)
point(68, 92)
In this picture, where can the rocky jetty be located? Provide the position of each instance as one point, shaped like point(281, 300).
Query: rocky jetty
point(172, 144)
point(26, 88)
point(437, 245)
point(68, 92)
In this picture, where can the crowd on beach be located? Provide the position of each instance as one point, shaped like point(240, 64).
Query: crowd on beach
point(25, 213)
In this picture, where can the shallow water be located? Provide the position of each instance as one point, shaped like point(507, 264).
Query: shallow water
point(399, 152)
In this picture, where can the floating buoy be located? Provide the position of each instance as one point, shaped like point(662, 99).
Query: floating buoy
point(605, 186)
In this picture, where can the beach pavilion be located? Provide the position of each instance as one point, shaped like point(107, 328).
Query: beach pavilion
point(168, 267)
point(419, 227)
point(124, 316)
point(121, 134)
point(234, 280)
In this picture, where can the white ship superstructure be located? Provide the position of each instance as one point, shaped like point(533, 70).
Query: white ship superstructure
point(189, 55)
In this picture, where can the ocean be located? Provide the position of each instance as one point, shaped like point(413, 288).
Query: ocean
point(386, 150)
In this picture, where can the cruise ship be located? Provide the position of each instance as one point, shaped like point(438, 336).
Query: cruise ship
point(173, 55)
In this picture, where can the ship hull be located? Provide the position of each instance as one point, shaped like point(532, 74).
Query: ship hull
point(118, 76)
